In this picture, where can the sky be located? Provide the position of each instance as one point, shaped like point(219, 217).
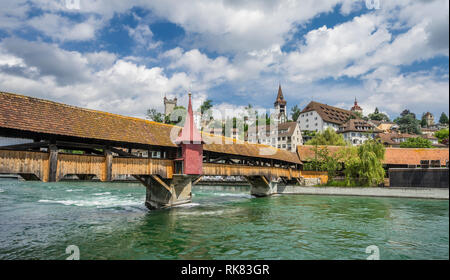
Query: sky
point(124, 56)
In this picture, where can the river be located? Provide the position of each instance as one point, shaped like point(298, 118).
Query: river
point(110, 221)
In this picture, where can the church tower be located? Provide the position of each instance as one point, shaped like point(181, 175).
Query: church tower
point(280, 107)
point(356, 107)
point(169, 106)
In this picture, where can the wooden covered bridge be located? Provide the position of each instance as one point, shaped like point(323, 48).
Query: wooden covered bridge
point(48, 133)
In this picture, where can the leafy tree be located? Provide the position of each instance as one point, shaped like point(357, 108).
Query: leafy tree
point(154, 115)
point(423, 122)
point(408, 123)
point(407, 112)
point(206, 105)
point(443, 119)
point(295, 113)
point(177, 116)
point(442, 135)
point(416, 142)
point(365, 163)
point(327, 137)
point(377, 116)
point(325, 161)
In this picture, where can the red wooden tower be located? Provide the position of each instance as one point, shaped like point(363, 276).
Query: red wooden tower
point(191, 143)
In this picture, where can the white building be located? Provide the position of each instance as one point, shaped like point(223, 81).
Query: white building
point(318, 117)
point(285, 136)
point(358, 131)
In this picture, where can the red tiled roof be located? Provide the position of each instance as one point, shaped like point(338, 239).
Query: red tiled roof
point(394, 156)
point(35, 115)
point(413, 156)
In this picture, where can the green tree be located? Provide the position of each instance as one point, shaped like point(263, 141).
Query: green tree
point(328, 137)
point(443, 119)
point(324, 160)
point(365, 163)
point(295, 113)
point(416, 142)
point(177, 116)
point(442, 135)
point(154, 115)
point(423, 121)
point(408, 123)
point(206, 105)
point(377, 116)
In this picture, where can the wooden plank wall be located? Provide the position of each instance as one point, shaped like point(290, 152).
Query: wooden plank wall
point(37, 163)
point(242, 170)
point(20, 162)
point(323, 175)
point(142, 166)
point(81, 164)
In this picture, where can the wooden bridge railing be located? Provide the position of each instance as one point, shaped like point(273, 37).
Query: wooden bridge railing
point(108, 167)
point(19, 162)
point(215, 169)
point(104, 167)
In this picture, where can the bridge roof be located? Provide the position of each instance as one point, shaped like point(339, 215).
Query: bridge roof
point(29, 114)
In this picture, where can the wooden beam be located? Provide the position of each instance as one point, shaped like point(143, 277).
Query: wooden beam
point(26, 146)
point(160, 181)
point(108, 165)
point(265, 180)
point(53, 163)
point(197, 180)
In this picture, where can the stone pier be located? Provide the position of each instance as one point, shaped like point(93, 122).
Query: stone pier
point(164, 193)
point(261, 186)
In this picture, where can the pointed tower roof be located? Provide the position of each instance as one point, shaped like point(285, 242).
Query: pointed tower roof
point(280, 98)
point(356, 106)
point(189, 134)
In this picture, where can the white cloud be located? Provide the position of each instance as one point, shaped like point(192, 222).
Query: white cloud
point(94, 80)
point(143, 36)
point(328, 51)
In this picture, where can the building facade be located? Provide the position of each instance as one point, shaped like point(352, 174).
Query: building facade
point(169, 106)
point(358, 131)
point(429, 119)
point(318, 117)
point(285, 136)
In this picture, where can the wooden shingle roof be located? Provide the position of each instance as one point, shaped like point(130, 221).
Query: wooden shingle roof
point(29, 114)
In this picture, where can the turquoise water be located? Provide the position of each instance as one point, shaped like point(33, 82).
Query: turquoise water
point(110, 221)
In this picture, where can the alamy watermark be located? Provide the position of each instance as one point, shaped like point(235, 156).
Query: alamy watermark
point(73, 4)
point(374, 252)
point(373, 4)
point(254, 127)
point(74, 253)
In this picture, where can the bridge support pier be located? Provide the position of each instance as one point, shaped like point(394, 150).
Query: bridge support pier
point(261, 186)
point(164, 193)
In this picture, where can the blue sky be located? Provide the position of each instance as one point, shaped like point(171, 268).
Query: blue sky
point(124, 56)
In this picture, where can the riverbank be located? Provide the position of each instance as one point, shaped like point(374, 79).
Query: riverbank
point(430, 193)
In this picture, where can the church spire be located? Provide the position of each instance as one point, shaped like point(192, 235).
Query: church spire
point(280, 98)
point(189, 133)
